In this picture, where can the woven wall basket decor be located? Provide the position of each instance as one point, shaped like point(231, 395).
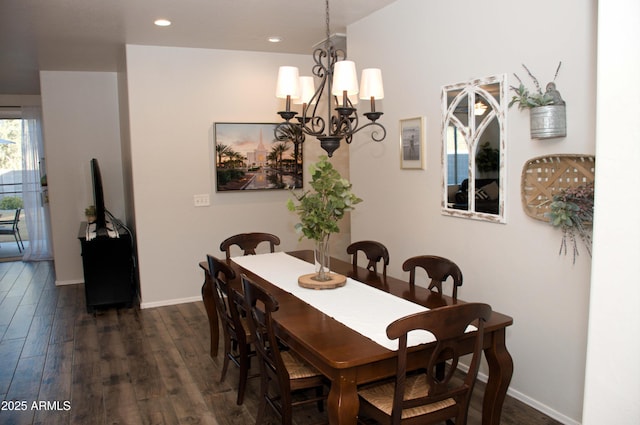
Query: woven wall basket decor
point(545, 176)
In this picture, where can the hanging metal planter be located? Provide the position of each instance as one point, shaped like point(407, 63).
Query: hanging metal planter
point(547, 122)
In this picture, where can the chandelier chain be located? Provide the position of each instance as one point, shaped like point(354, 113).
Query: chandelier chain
point(327, 22)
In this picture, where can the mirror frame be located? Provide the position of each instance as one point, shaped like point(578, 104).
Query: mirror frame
point(469, 90)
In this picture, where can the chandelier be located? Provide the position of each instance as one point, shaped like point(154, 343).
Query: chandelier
point(338, 92)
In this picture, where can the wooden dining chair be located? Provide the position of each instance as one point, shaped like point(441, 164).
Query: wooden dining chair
point(438, 269)
point(248, 242)
point(374, 251)
point(235, 329)
point(421, 397)
point(282, 371)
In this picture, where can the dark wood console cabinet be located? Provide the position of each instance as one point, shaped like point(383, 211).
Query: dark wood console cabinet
point(108, 266)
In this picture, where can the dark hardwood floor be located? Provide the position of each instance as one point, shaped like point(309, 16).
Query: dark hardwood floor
point(61, 365)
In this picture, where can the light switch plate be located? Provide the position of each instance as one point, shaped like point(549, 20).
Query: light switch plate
point(201, 200)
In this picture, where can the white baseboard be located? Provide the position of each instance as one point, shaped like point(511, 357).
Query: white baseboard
point(554, 414)
point(164, 303)
point(541, 407)
point(68, 282)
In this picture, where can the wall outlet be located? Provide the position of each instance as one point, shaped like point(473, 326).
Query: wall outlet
point(201, 200)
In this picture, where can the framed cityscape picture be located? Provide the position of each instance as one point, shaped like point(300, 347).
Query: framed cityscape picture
point(249, 158)
point(412, 149)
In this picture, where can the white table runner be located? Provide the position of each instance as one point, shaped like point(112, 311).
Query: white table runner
point(364, 309)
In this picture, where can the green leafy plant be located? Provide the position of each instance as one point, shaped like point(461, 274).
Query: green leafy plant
point(11, 203)
point(572, 212)
point(321, 209)
point(90, 211)
point(526, 98)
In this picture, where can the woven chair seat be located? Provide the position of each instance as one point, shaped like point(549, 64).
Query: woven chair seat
point(381, 396)
point(297, 367)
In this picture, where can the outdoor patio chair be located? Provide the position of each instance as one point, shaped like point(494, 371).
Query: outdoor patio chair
point(10, 227)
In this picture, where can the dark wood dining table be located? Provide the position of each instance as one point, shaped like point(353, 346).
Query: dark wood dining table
point(349, 359)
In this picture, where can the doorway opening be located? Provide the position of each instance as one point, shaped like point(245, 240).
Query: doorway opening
point(17, 208)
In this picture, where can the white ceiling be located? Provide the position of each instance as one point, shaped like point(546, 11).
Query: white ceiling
point(89, 35)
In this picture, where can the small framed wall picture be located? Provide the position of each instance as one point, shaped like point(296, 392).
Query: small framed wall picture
point(412, 149)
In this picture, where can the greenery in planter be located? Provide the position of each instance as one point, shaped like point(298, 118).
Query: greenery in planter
point(526, 98)
point(321, 209)
point(572, 212)
point(90, 211)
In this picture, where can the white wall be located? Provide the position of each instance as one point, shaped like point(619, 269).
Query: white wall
point(175, 97)
point(612, 393)
point(80, 117)
point(421, 46)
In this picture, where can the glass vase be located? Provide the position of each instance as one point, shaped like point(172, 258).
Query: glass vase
point(322, 260)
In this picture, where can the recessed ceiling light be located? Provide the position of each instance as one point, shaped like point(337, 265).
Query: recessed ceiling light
point(275, 39)
point(162, 22)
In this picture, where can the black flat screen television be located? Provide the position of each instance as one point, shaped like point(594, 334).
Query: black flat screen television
point(98, 199)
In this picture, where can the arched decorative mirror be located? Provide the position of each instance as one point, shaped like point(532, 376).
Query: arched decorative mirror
point(474, 149)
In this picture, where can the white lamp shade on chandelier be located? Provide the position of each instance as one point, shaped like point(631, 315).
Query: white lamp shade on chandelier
point(307, 90)
point(371, 84)
point(302, 89)
point(288, 83)
point(345, 78)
